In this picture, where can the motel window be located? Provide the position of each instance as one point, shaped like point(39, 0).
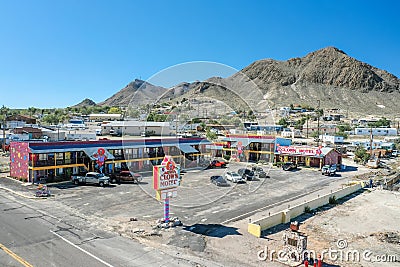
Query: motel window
point(135, 153)
point(42, 156)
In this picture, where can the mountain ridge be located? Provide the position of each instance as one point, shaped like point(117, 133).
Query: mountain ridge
point(328, 76)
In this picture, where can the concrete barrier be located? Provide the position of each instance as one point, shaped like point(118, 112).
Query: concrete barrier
point(256, 227)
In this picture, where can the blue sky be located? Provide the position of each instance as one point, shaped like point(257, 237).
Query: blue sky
point(56, 53)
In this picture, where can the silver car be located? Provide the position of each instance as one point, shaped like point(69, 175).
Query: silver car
point(234, 177)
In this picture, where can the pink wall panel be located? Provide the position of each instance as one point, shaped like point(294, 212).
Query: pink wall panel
point(19, 159)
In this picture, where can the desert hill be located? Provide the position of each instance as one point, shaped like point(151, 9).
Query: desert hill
point(328, 76)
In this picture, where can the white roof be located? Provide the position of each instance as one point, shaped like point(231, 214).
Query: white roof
point(137, 124)
point(105, 115)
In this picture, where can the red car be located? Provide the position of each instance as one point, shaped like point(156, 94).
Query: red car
point(217, 163)
point(125, 176)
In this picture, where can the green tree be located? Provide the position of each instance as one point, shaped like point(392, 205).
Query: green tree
point(344, 127)
point(383, 122)
point(283, 122)
point(32, 111)
point(211, 135)
point(300, 123)
point(114, 110)
point(51, 118)
point(196, 120)
point(150, 117)
point(361, 154)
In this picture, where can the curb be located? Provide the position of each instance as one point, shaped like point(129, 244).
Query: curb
point(17, 193)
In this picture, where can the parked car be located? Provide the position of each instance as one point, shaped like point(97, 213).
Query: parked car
point(247, 174)
point(115, 133)
point(288, 166)
point(91, 178)
point(126, 176)
point(259, 172)
point(218, 180)
point(234, 177)
point(217, 163)
point(329, 170)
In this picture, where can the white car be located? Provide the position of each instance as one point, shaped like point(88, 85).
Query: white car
point(234, 177)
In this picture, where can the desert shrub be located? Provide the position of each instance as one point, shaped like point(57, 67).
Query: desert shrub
point(333, 200)
point(307, 209)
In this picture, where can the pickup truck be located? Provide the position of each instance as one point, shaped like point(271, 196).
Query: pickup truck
point(91, 178)
point(329, 170)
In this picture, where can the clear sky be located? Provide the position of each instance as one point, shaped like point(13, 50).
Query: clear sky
point(56, 53)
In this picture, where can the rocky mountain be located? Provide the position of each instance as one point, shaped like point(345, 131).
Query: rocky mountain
point(135, 93)
point(86, 102)
point(328, 76)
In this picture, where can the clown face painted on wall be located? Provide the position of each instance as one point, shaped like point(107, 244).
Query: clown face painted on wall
point(100, 159)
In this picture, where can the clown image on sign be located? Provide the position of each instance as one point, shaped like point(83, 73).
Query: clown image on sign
point(167, 175)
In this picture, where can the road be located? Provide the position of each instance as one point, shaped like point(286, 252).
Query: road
point(31, 237)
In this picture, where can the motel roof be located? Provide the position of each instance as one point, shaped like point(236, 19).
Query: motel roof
point(184, 144)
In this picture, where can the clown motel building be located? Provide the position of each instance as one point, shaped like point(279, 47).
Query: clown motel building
point(308, 156)
point(59, 160)
point(248, 147)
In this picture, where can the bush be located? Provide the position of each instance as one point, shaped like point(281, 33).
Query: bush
point(261, 161)
point(227, 157)
point(333, 200)
point(307, 209)
point(279, 164)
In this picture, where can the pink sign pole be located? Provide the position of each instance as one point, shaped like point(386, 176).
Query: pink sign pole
point(166, 210)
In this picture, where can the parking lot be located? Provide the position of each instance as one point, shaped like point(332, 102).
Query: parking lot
point(198, 199)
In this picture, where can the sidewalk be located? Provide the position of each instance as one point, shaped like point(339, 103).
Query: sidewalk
point(26, 190)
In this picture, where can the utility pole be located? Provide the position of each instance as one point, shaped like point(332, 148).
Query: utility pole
point(370, 142)
point(176, 125)
point(318, 114)
point(4, 134)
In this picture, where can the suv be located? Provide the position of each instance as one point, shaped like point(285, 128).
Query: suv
point(259, 172)
point(126, 176)
point(246, 174)
point(329, 170)
point(234, 177)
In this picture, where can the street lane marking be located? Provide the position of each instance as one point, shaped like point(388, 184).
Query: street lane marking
point(15, 256)
point(81, 249)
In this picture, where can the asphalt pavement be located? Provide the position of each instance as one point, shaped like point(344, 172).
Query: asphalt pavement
point(31, 236)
